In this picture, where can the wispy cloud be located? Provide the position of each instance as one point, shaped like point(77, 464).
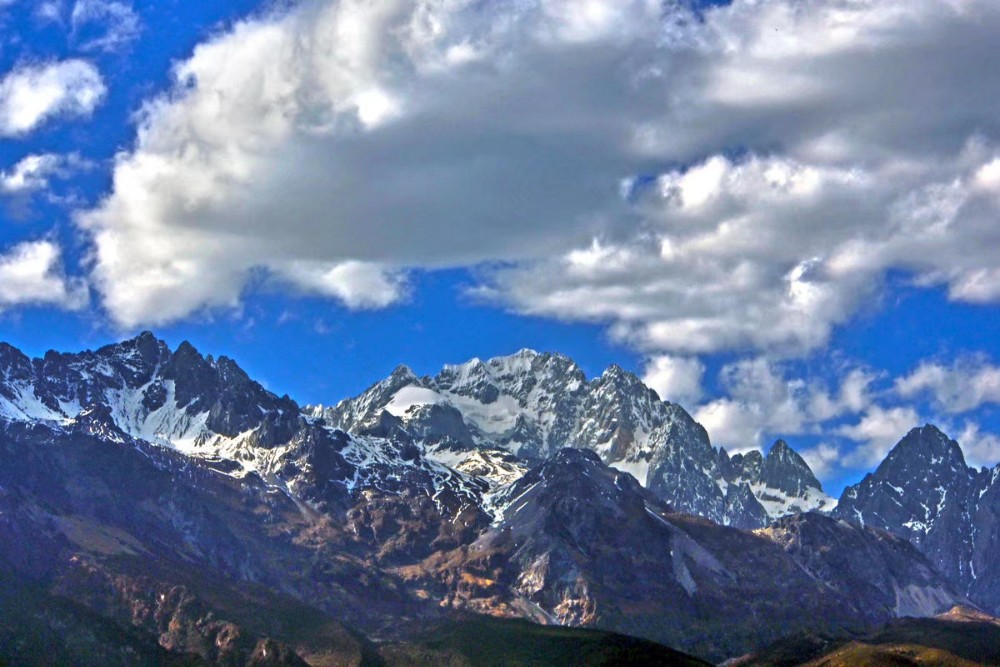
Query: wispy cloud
point(877, 432)
point(33, 172)
point(104, 25)
point(961, 386)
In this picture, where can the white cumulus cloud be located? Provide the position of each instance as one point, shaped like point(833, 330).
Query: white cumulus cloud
point(32, 94)
point(675, 379)
point(759, 399)
point(823, 459)
point(31, 273)
point(877, 432)
point(740, 181)
point(980, 448)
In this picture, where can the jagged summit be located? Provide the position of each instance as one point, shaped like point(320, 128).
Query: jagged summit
point(929, 445)
point(532, 404)
point(180, 398)
point(779, 448)
point(924, 491)
point(495, 417)
point(403, 372)
point(208, 409)
point(785, 470)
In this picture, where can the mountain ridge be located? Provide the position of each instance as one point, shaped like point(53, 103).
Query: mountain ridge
point(112, 456)
point(925, 492)
point(533, 403)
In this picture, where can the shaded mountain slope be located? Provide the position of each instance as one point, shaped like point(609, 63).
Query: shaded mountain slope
point(925, 492)
point(958, 637)
point(584, 544)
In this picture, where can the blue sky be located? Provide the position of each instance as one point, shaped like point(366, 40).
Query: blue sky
point(325, 189)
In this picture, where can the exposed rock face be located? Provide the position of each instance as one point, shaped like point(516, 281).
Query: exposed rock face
point(153, 543)
point(885, 570)
point(533, 404)
point(786, 471)
point(568, 526)
point(782, 481)
point(37, 628)
point(925, 492)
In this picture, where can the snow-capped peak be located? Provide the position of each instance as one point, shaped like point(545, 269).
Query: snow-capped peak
point(533, 404)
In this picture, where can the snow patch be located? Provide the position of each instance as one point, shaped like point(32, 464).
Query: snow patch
point(410, 396)
point(638, 469)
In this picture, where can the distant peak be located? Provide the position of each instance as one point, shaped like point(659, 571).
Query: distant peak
point(523, 355)
point(614, 371)
point(928, 442)
point(403, 371)
point(931, 430)
point(780, 448)
point(186, 349)
point(785, 469)
point(930, 435)
point(144, 340)
point(228, 365)
point(559, 358)
point(146, 345)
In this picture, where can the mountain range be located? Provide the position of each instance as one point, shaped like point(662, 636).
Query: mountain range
point(160, 505)
point(530, 405)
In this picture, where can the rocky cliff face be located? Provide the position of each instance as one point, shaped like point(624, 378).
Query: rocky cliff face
point(925, 492)
point(531, 405)
point(567, 527)
point(885, 570)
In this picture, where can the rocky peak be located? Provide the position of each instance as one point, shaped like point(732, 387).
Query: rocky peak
point(909, 488)
point(570, 482)
point(234, 401)
point(15, 366)
point(924, 448)
point(746, 465)
point(785, 470)
point(148, 392)
point(402, 373)
point(924, 491)
point(532, 404)
point(624, 382)
point(140, 354)
point(615, 372)
point(146, 345)
point(520, 376)
point(191, 373)
point(619, 412)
